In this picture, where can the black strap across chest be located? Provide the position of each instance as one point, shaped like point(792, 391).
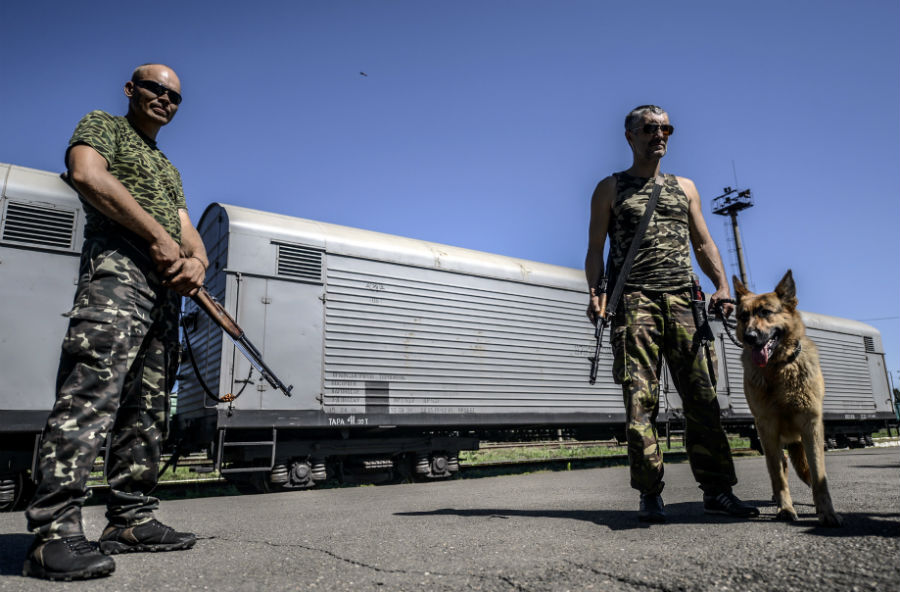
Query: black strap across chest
point(622, 274)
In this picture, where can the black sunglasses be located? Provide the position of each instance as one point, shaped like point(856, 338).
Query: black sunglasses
point(650, 128)
point(159, 90)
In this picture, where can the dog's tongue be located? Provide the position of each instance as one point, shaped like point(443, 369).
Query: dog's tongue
point(761, 356)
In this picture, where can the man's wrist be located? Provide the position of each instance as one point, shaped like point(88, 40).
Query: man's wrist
point(202, 262)
point(158, 235)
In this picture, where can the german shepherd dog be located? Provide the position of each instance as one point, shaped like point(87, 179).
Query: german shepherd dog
point(784, 387)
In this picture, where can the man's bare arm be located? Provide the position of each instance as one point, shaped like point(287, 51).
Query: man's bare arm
point(601, 210)
point(705, 249)
point(191, 243)
point(186, 275)
point(89, 173)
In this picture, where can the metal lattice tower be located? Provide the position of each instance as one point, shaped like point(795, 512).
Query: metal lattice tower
point(730, 203)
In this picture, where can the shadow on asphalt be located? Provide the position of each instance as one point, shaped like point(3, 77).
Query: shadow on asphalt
point(890, 466)
point(855, 524)
point(12, 553)
point(678, 513)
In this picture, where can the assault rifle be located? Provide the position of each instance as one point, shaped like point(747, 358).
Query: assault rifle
point(698, 309)
point(600, 325)
point(701, 321)
point(220, 316)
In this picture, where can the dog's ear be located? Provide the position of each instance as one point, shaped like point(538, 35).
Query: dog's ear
point(786, 290)
point(739, 288)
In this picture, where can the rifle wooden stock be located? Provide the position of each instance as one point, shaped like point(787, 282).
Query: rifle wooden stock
point(217, 313)
point(221, 317)
point(603, 300)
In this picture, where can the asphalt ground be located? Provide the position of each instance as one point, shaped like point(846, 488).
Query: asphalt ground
point(564, 530)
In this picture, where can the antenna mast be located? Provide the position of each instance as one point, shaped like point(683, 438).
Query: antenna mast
point(730, 203)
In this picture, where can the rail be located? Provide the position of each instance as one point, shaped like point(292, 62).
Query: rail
point(201, 464)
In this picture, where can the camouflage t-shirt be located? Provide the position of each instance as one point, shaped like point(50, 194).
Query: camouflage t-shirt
point(663, 260)
point(139, 165)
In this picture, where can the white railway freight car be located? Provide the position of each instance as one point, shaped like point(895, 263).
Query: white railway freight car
point(397, 340)
point(401, 352)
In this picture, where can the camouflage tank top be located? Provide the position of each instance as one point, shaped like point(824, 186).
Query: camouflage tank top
point(663, 260)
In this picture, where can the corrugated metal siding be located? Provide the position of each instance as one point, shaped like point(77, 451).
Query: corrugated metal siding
point(206, 337)
point(734, 381)
point(848, 383)
point(447, 342)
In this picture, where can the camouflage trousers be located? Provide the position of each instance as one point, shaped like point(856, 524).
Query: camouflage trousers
point(116, 370)
point(652, 326)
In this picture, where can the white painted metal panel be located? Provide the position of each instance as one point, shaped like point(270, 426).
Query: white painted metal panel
point(284, 321)
point(417, 327)
point(430, 341)
point(848, 384)
point(38, 273)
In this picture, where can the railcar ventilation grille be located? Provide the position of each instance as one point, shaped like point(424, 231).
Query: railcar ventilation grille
point(870, 344)
point(299, 262)
point(41, 226)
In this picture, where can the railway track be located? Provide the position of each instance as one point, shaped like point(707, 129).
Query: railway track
point(201, 465)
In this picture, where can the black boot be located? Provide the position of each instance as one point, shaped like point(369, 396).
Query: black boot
point(652, 509)
point(69, 558)
point(727, 503)
point(149, 536)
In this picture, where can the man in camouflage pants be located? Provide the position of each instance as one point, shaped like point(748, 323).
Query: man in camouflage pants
point(118, 360)
point(654, 317)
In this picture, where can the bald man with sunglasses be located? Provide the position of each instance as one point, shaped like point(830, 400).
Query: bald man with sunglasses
point(654, 317)
point(140, 255)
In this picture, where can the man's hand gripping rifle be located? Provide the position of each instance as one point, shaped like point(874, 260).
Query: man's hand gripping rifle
point(221, 317)
point(600, 324)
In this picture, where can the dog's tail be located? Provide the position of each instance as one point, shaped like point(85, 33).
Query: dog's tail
point(798, 459)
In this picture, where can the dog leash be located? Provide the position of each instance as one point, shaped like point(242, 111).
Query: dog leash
point(718, 307)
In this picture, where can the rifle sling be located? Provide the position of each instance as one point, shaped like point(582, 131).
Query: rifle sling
point(616, 294)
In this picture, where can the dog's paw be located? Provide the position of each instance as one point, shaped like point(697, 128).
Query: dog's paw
point(787, 515)
point(830, 519)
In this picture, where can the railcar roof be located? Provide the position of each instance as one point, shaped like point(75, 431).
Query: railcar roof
point(841, 325)
point(17, 182)
point(29, 184)
point(367, 244)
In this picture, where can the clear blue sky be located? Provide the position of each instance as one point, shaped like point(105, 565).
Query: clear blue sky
point(487, 124)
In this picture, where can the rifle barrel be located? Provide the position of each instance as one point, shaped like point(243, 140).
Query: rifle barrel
point(221, 317)
point(253, 356)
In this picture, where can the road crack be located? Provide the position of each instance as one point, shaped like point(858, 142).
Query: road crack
point(627, 580)
point(482, 577)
